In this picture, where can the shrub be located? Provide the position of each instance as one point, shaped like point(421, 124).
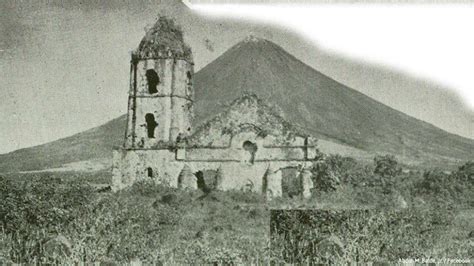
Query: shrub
point(326, 174)
point(386, 166)
point(434, 182)
point(442, 187)
point(465, 172)
point(341, 166)
point(331, 171)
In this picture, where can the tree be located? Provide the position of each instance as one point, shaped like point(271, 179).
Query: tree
point(386, 166)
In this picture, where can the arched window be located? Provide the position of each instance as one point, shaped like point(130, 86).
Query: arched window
point(151, 124)
point(149, 172)
point(153, 80)
point(251, 148)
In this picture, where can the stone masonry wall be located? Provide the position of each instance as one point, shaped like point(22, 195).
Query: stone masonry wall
point(236, 167)
point(260, 177)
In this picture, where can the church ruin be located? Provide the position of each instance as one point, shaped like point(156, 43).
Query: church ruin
point(247, 146)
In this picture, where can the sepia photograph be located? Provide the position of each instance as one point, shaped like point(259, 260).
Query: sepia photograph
point(214, 132)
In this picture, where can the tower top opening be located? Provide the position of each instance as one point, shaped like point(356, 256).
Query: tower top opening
point(163, 40)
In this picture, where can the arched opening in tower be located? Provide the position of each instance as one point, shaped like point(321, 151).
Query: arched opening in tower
point(251, 148)
point(151, 124)
point(153, 80)
point(149, 172)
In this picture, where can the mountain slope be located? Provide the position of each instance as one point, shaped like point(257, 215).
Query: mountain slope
point(305, 97)
point(319, 104)
point(95, 143)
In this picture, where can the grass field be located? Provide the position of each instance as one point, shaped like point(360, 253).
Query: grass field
point(70, 218)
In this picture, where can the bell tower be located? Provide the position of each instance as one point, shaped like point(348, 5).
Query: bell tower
point(160, 102)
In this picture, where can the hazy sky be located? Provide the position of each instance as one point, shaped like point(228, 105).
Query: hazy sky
point(377, 34)
point(64, 66)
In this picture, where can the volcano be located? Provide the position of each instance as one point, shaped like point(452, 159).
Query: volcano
point(308, 99)
point(320, 105)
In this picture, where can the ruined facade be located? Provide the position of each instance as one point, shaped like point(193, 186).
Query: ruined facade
point(248, 146)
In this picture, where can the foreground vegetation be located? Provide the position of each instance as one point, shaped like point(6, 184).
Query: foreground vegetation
point(51, 221)
point(66, 218)
point(345, 236)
